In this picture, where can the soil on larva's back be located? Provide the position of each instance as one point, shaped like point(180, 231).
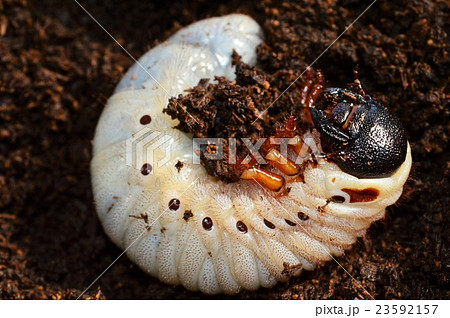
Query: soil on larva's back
point(58, 67)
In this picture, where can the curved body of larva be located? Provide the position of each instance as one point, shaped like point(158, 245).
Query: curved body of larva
point(215, 237)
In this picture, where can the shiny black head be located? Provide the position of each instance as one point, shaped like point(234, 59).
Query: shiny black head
point(362, 136)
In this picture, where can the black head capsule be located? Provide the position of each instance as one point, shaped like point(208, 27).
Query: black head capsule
point(361, 135)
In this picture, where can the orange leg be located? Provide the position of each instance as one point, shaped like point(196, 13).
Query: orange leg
point(296, 144)
point(310, 92)
point(289, 130)
point(267, 179)
point(277, 160)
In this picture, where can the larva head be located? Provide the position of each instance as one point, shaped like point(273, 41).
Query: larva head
point(361, 135)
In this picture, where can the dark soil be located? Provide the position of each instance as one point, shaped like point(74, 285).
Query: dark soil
point(58, 68)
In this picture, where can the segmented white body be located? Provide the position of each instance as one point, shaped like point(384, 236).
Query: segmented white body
point(174, 245)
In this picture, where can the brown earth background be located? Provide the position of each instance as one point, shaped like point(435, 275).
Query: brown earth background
point(58, 68)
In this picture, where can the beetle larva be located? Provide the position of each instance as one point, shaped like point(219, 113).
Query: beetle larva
point(187, 227)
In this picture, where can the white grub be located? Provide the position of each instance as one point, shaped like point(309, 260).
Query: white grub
point(173, 244)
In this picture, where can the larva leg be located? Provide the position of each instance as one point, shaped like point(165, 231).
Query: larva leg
point(267, 179)
point(311, 89)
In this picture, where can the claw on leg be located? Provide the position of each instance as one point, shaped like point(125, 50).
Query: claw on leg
point(267, 179)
